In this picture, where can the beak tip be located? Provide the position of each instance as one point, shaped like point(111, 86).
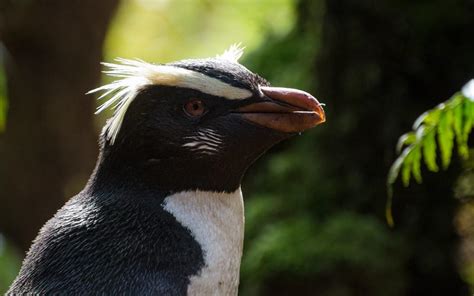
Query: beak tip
point(321, 114)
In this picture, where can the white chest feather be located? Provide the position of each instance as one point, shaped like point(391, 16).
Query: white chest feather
point(216, 220)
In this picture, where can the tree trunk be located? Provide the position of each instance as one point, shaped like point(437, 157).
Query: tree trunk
point(52, 52)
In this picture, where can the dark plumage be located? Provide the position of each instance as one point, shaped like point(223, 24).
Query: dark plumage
point(106, 243)
point(176, 137)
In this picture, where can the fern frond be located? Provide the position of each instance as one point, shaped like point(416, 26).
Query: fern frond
point(452, 120)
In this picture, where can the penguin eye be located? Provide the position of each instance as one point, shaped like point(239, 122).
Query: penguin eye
point(195, 108)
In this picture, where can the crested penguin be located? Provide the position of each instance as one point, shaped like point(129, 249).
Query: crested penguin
point(162, 213)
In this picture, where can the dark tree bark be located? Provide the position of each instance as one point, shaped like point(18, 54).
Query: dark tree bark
point(52, 51)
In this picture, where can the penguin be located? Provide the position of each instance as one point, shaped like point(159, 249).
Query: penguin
point(163, 213)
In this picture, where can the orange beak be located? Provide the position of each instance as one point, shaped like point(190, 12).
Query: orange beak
point(288, 110)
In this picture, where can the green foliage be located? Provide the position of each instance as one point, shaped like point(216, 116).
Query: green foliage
point(163, 31)
point(9, 265)
point(436, 129)
point(302, 247)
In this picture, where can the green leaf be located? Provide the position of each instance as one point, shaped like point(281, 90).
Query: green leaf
point(472, 109)
point(429, 150)
point(445, 137)
point(420, 120)
point(416, 164)
point(457, 109)
point(449, 121)
point(394, 171)
point(407, 166)
point(468, 120)
point(405, 140)
point(457, 119)
point(432, 117)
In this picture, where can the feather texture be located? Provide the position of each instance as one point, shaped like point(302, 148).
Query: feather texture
point(134, 75)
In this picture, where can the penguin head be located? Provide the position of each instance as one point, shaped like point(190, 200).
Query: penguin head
point(197, 124)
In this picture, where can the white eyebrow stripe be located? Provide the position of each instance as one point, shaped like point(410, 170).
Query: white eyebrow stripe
point(175, 76)
point(203, 83)
point(136, 74)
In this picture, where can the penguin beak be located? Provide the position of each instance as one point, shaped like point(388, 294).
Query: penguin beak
point(286, 110)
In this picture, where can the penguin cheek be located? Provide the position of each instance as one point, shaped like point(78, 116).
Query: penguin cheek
point(245, 141)
point(204, 142)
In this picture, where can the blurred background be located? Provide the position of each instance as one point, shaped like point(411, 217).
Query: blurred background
point(315, 221)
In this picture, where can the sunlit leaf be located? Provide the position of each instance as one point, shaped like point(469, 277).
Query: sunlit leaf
point(436, 127)
point(445, 137)
point(468, 119)
point(421, 119)
point(395, 170)
point(472, 109)
point(457, 126)
point(458, 120)
point(429, 150)
point(432, 116)
point(416, 164)
point(406, 168)
point(405, 140)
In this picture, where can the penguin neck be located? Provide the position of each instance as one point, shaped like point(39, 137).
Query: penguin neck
point(216, 221)
point(213, 215)
point(166, 174)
